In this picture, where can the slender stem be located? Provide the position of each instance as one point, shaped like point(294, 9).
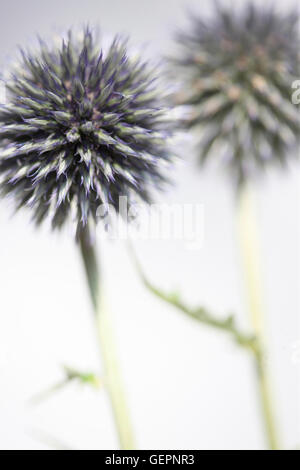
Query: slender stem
point(227, 325)
point(200, 314)
point(112, 377)
point(49, 392)
point(250, 256)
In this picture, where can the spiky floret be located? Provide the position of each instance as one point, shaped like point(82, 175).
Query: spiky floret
point(81, 127)
point(237, 70)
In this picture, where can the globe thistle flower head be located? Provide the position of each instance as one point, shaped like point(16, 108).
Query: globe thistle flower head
point(81, 127)
point(237, 70)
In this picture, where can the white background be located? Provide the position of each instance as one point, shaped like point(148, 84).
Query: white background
point(189, 387)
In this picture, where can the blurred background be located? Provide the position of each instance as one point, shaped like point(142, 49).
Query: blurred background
point(188, 386)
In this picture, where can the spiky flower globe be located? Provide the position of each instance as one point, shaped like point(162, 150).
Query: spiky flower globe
point(237, 70)
point(81, 127)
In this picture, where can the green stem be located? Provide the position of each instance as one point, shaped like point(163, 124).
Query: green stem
point(250, 256)
point(112, 377)
point(49, 392)
point(199, 314)
point(228, 325)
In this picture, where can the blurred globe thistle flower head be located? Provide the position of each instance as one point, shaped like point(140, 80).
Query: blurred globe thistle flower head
point(237, 70)
point(81, 127)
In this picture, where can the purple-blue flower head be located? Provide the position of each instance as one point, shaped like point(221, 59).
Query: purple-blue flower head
point(81, 127)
